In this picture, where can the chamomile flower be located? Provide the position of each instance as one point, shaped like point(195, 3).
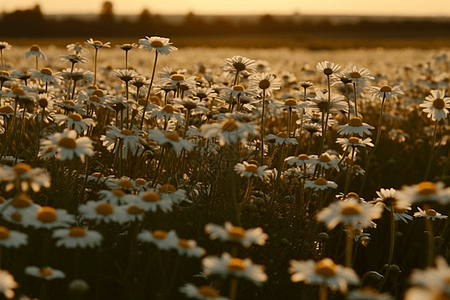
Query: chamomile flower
point(160, 44)
point(327, 67)
point(77, 237)
point(425, 191)
point(358, 75)
point(12, 238)
point(66, 145)
point(20, 210)
point(46, 75)
point(236, 234)
point(102, 211)
point(35, 50)
point(389, 198)
point(241, 65)
point(170, 138)
point(25, 176)
point(125, 183)
point(115, 196)
point(246, 169)
point(150, 201)
point(436, 105)
point(76, 47)
point(349, 212)
point(325, 161)
point(46, 273)
point(320, 184)
point(354, 142)
point(355, 127)
point(189, 248)
point(232, 266)
point(162, 239)
point(300, 160)
point(320, 103)
point(124, 139)
point(228, 131)
point(48, 217)
point(325, 271)
point(385, 92)
point(264, 82)
point(204, 292)
point(97, 44)
point(429, 213)
point(282, 138)
point(168, 191)
point(7, 284)
point(75, 121)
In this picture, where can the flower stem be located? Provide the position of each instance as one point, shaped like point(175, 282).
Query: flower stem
point(322, 292)
point(349, 246)
point(262, 127)
point(233, 288)
point(149, 90)
point(430, 159)
point(391, 248)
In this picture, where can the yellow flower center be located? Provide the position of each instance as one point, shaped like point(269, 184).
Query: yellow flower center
point(2, 200)
point(4, 233)
point(385, 89)
point(290, 102)
point(35, 48)
point(236, 233)
point(355, 74)
point(168, 109)
point(352, 195)
point(183, 243)
point(76, 117)
point(159, 234)
point(126, 132)
point(16, 217)
point(350, 209)
point(140, 181)
point(118, 193)
point(98, 93)
point(431, 212)
point(264, 84)
point(134, 210)
point(4, 73)
point(173, 136)
point(354, 140)
point(238, 88)
point(328, 71)
point(320, 181)
point(324, 158)
point(67, 142)
point(125, 183)
point(96, 174)
point(229, 125)
point(47, 214)
point(438, 103)
point(252, 168)
point(426, 188)
point(7, 109)
point(18, 91)
point(355, 122)
point(208, 291)
point(151, 197)
point(236, 265)
point(77, 232)
point(43, 102)
point(21, 168)
point(47, 71)
point(282, 135)
point(45, 272)
point(326, 268)
point(21, 201)
point(303, 157)
point(167, 189)
point(104, 209)
point(157, 44)
point(177, 77)
point(94, 98)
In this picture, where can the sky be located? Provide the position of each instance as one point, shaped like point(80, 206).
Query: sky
point(239, 7)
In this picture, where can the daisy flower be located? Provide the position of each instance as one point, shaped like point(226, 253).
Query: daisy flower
point(115, 196)
point(168, 191)
point(300, 160)
point(236, 234)
point(389, 198)
point(327, 67)
point(48, 217)
point(77, 237)
point(355, 127)
point(125, 183)
point(46, 273)
point(398, 135)
point(354, 142)
point(204, 292)
point(358, 75)
point(170, 138)
point(149, 201)
point(320, 103)
point(128, 140)
point(436, 105)
point(385, 92)
point(189, 248)
point(25, 176)
point(133, 212)
point(160, 44)
point(12, 238)
point(162, 239)
point(325, 271)
point(102, 211)
point(97, 44)
point(251, 170)
point(46, 75)
point(227, 265)
point(228, 131)
point(35, 50)
point(320, 184)
point(73, 58)
point(325, 161)
point(282, 138)
point(350, 211)
point(425, 191)
point(76, 47)
point(264, 82)
point(429, 213)
point(7, 284)
point(75, 121)
point(65, 145)
point(20, 210)
point(240, 65)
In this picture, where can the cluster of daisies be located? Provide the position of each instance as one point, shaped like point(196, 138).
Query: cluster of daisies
point(125, 149)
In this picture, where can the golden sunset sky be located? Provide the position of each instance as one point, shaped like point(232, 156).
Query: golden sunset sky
point(351, 7)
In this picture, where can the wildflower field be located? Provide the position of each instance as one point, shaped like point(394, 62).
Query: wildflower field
point(144, 171)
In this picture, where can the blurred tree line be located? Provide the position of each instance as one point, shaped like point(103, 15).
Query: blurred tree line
point(33, 23)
